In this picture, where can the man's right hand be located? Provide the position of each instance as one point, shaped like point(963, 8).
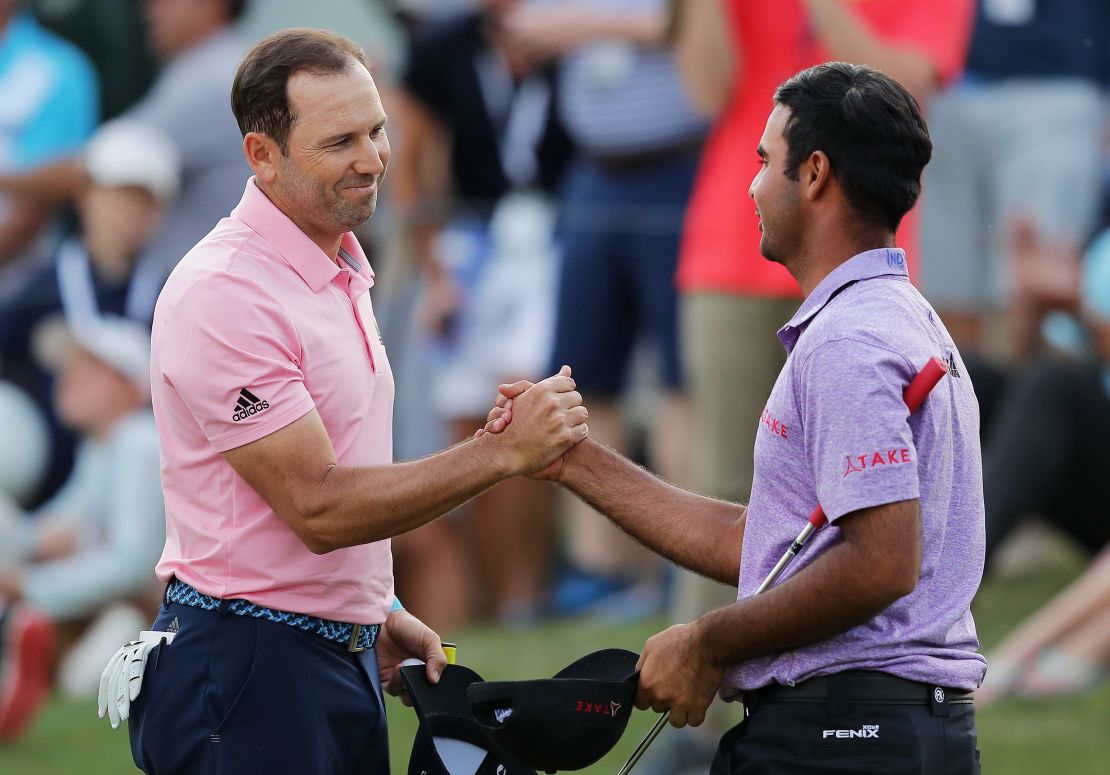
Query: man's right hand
point(548, 419)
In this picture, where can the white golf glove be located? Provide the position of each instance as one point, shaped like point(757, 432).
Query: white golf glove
point(122, 679)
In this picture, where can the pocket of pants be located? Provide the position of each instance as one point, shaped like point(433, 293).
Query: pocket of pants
point(231, 667)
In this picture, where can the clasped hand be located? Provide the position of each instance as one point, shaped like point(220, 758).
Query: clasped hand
point(549, 420)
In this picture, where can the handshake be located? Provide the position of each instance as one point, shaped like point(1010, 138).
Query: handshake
point(537, 424)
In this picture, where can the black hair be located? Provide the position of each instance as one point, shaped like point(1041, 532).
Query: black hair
point(259, 94)
point(871, 129)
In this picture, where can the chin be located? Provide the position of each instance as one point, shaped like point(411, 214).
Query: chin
point(767, 251)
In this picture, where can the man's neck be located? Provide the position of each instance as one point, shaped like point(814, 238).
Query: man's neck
point(328, 243)
point(820, 258)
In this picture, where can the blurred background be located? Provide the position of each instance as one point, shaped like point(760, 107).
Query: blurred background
point(568, 185)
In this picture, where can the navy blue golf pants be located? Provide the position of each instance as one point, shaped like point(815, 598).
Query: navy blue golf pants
point(233, 695)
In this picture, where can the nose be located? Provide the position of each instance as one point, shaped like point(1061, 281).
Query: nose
point(370, 159)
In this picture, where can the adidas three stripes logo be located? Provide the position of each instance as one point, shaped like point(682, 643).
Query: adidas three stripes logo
point(247, 405)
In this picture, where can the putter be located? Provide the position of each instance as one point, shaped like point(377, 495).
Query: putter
point(914, 396)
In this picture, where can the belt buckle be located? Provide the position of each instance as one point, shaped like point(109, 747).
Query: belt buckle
point(352, 644)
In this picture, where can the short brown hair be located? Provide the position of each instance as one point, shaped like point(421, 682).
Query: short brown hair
point(259, 95)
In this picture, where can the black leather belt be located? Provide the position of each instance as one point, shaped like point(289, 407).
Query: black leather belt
point(859, 686)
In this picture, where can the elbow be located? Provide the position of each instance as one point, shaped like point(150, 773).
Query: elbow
point(904, 585)
point(310, 521)
point(899, 579)
point(920, 80)
point(316, 542)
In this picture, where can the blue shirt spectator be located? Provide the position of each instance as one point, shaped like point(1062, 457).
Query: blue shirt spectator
point(50, 106)
point(49, 92)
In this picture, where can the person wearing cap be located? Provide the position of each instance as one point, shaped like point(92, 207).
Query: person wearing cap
point(92, 544)
point(199, 44)
point(104, 269)
point(273, 396)
point(864, 653)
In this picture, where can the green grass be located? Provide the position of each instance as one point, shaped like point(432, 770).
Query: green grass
point(1070, 737)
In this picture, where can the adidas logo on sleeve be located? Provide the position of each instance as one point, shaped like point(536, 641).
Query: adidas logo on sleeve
point(247, 405)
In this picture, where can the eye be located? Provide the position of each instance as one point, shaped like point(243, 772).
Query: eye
point(339, 143)
point(378, 131)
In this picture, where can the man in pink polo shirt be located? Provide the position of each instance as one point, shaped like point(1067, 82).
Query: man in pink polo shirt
point(273, 396)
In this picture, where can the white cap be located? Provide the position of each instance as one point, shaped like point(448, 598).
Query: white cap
point(125, 152)
point(122, 344)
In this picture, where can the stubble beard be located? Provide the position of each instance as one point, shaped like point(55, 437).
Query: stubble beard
point(767, 248)
point(350, 215)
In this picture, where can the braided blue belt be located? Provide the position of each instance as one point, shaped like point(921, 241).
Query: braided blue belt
point(357, 637)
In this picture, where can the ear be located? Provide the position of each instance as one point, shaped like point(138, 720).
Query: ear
point(815, 175)
point(263, 156)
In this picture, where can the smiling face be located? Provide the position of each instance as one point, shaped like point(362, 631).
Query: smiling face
point(328, 177)
point(117, 221)
point(777, 198)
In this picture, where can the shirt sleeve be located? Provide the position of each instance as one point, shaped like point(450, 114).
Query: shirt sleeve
point(941, 30)
point(857, 435)
point(233, 356)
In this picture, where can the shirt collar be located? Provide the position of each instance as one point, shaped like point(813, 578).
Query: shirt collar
point(312, 264)
point(862, 266)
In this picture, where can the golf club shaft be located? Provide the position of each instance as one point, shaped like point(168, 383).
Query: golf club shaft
point(643, 746)
point(914, 396)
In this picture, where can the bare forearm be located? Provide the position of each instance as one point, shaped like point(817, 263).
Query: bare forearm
point(699, 533)
point(355, 506)
point(51, 184)
point(848, 584)
point(704, 52)
point(847, 39)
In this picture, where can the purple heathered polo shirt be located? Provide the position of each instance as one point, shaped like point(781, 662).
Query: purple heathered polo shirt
point(837, 432)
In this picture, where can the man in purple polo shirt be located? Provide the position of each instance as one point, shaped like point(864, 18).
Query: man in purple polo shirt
point(863, 655)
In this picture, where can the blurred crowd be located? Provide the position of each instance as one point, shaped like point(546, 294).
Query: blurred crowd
point(568, 185)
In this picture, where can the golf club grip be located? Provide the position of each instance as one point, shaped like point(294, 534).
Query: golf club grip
point(921, 385)
point(914, 396)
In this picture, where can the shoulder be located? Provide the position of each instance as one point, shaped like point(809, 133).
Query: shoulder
point(228, 274)
point(880, 313)
point(195, 82)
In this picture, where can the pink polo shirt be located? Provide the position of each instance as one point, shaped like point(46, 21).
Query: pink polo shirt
point(255, 328)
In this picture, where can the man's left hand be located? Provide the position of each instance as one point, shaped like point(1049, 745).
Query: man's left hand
point(676, 674)
point(403, 636)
